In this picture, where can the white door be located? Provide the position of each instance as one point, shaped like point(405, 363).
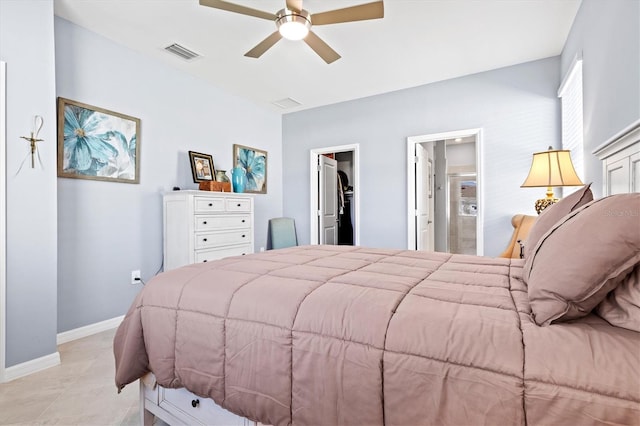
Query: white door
point(424, 197)
point(328, 200)
point(3, 215)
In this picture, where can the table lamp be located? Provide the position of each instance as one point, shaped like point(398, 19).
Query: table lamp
point(548, 169)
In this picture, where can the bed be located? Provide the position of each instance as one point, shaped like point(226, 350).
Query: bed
point(341, 335)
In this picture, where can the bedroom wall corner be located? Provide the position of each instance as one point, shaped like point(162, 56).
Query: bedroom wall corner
point(106, 229)
point(607, 34)
point(31, 193)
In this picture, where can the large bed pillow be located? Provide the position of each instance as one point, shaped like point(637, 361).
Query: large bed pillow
point(583, 257)
point(621, 307)
point(552, 214)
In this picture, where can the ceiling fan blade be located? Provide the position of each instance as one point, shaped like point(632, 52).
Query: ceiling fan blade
point(264, 45)
point(230, 7)
point(321, 48)
point(294, 5)
point(361, 12)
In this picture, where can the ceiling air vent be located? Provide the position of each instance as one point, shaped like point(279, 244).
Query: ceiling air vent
point(287, 103)
point(181, 51)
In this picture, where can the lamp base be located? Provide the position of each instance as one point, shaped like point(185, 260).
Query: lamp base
point(543, 203)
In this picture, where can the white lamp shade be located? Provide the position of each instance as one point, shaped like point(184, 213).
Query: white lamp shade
point(552, 168)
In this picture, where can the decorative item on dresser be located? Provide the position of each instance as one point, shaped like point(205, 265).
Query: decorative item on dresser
point(620, 158)
point(200, 226)
point(254, 163)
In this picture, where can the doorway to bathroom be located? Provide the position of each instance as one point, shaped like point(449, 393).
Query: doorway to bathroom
point(444, 192)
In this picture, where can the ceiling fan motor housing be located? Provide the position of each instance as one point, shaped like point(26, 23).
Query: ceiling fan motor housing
point(293, 25)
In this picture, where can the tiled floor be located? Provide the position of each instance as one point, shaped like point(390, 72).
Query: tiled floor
point(79, 391)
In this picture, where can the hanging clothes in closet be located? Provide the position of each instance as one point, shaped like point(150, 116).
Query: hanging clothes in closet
point(345, 227)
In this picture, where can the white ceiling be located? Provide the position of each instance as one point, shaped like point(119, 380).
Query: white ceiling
point(417, 42)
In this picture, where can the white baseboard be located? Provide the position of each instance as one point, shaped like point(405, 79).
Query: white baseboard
point(88, 330)
point(30, 367)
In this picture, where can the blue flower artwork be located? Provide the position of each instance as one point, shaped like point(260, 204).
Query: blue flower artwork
point(94, 143)
point(254, 162)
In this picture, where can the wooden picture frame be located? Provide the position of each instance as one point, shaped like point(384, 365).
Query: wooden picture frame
point(202, 167)
point(97, 144)
point(254, 162)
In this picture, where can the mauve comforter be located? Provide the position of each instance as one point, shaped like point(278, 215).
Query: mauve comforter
point(329, 335)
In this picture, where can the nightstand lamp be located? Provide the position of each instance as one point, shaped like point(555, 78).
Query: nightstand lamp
point(548, 169)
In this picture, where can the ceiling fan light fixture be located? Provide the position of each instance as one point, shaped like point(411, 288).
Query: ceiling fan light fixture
point(293, 25)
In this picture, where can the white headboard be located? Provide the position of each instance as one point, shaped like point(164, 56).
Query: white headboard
point(620, 158)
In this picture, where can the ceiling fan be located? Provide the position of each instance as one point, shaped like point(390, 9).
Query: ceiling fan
point(294, 23)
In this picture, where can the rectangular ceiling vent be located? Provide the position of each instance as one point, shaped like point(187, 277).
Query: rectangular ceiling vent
point(287, 103)
point(182, 52)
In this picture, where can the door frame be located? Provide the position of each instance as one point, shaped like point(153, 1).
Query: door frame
point(412, 141)
point(3, 217)
point(313, 188)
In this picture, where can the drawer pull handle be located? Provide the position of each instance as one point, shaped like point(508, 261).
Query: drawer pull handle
point(243, 235)
point(205, 260)
point(210, 204)
point(195, 403)
point(243, 221)
point(204, 223)
point(204, 239)
point(239, 204)
point(244, 254)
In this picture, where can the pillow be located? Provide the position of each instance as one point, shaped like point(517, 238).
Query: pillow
point(621, 307)
point(583, 257)
point(553, 214)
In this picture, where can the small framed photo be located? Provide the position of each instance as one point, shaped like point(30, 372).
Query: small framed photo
point(202, 167)
point(254, 162)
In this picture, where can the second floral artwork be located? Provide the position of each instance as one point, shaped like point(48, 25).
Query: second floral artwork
point(254, 163)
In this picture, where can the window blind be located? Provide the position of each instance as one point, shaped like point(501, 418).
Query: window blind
point(570, 93)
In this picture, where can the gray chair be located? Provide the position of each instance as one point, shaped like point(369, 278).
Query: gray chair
point(282, 233)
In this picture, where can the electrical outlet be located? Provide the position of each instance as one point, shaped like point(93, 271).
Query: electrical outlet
point(135, 277)
point(261, 248)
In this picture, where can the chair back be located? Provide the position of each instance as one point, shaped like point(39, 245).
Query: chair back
point(282, 233)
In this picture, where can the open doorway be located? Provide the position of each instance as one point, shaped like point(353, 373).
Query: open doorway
point(444, 192)
point(344, 179)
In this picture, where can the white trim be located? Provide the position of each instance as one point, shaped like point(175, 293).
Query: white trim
point(3, 217)
point(621, 140)
point(412, 141)
point(313, 188)
point(33, 366)
point(88, 330)
point(573, 69)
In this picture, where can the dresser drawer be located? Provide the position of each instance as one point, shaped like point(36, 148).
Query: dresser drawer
point(238, 205)
point(219, 253)
point(222, 238)
point(197, 410)
point(205, 205)
point(212, 223)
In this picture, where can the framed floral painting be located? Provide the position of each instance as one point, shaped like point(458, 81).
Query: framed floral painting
point(98, 144)
point(254, 162)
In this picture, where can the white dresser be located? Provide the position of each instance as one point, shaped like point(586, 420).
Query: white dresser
point(200, 226)
point(620, 158)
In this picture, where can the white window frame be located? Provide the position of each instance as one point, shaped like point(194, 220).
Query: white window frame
point(572, 112)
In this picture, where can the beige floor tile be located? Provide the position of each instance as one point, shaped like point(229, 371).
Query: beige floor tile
point(79, 391)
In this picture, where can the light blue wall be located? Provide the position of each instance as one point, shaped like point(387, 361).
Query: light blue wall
point(607, 34)
point(516, 107)
point(26, 44)
point(106, 230)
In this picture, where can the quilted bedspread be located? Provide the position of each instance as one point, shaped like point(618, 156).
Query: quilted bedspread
point(341, 335)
